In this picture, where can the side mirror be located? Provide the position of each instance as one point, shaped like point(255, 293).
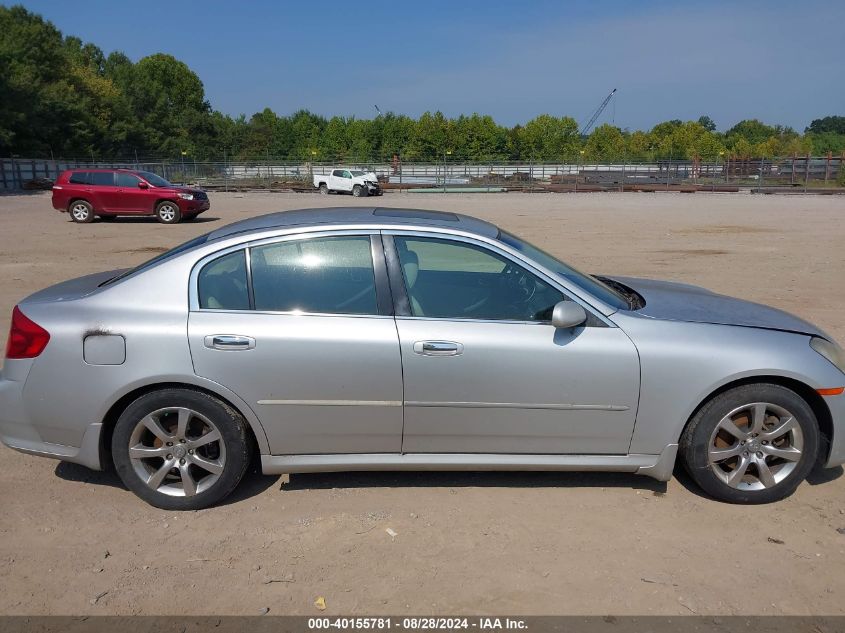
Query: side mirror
point(568, 314)
point(142, 185)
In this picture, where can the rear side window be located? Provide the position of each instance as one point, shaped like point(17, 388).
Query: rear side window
point(80, 178)
point(102, 178)
point(332, 275)
point(222, 283)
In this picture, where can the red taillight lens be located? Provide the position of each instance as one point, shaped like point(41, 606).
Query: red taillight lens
point(27, 339)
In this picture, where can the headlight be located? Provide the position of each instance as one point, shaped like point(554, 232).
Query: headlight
point(186, 196)
point(831, 351)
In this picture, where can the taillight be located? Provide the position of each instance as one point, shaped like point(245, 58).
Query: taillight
point(27, 339)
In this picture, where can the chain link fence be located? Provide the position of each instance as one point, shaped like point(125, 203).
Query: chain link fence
point(817, 174)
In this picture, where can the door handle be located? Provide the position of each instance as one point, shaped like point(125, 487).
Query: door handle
point(438, 348)
point(229, 342)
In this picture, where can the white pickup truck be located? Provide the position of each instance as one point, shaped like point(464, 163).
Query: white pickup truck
point(358, 183)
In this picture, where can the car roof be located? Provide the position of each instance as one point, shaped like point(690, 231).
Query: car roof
point(358, 215)
point(126, 169)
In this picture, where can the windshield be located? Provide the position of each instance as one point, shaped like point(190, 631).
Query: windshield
point(357, 173)
point(154, 179)
point(588, 283)
point(197, 241)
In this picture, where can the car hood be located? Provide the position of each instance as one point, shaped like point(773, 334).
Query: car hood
point(682, 302)
point(180, 189)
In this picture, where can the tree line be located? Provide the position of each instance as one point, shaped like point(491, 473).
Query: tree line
point(65, 98)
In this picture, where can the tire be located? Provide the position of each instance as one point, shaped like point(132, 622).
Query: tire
point(770, 424)
point(324, 189)
point(201, 472)
point(360, 192)
point(81, 211)
point(167, 212)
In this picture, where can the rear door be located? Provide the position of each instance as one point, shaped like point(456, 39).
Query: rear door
point(301, 328)
point(104, 191)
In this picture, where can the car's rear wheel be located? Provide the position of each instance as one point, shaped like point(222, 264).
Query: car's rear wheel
point(359, 192)
point(324, 189)
point(168, 212)
point(81, 211)
point(751, 444)
point(180, 449)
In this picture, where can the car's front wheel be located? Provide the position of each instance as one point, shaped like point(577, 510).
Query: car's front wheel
point(751, 444)
point(360, 192)
point(180, 449)
point(168, 212)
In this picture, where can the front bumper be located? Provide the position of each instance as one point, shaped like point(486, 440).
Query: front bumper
point(836, 453)
point(193, 207)
point(18, 433)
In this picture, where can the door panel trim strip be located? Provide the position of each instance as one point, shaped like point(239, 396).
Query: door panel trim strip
point(336, 403)
point(519, 405)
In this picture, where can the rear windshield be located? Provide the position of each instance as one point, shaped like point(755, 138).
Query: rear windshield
point(173, 252)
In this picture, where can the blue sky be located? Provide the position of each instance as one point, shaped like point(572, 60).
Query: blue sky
point(779, 61)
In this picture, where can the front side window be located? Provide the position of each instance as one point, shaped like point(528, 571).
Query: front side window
point(346, 174)
point(456, 280)
point(102, 178)
point(154, 179)
point(222, 283)
point(127, 180)
point(332, 275)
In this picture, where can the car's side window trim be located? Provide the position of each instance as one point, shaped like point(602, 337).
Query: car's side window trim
point(402, 303)
point(384, 301)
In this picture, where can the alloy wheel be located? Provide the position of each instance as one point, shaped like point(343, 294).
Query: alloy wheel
point(79, 212)
point(177, 451)
point(167, 212)
point(755, 446)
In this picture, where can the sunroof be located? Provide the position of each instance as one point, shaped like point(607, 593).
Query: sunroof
point(417, 215)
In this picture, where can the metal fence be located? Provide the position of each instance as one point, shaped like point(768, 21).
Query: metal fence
point(817, 174)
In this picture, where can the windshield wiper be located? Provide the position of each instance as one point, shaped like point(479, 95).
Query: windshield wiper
point(634, 299)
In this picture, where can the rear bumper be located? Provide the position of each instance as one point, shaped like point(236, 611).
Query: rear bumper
point(836, 454)
point(18, 433)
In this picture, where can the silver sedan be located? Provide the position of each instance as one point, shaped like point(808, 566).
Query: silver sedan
point(368, 339)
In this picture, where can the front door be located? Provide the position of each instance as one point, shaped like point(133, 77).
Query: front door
point(486, 372)
point(297, 328)
point(129, 197)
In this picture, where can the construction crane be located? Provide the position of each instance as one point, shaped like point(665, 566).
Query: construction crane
point(597, 113)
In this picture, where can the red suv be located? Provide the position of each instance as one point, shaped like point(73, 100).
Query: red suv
point(109, 193)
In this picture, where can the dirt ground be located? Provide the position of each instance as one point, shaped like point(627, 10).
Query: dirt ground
point(73, 541)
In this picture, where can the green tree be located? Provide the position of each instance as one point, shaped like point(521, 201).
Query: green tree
point(707, 123)
point(606, 143)
point(835, 124)
point(549, 138)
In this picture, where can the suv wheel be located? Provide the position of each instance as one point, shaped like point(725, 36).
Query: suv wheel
point(751, 444)
point(180, 449)
point(168, 212)
point(81, 211)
